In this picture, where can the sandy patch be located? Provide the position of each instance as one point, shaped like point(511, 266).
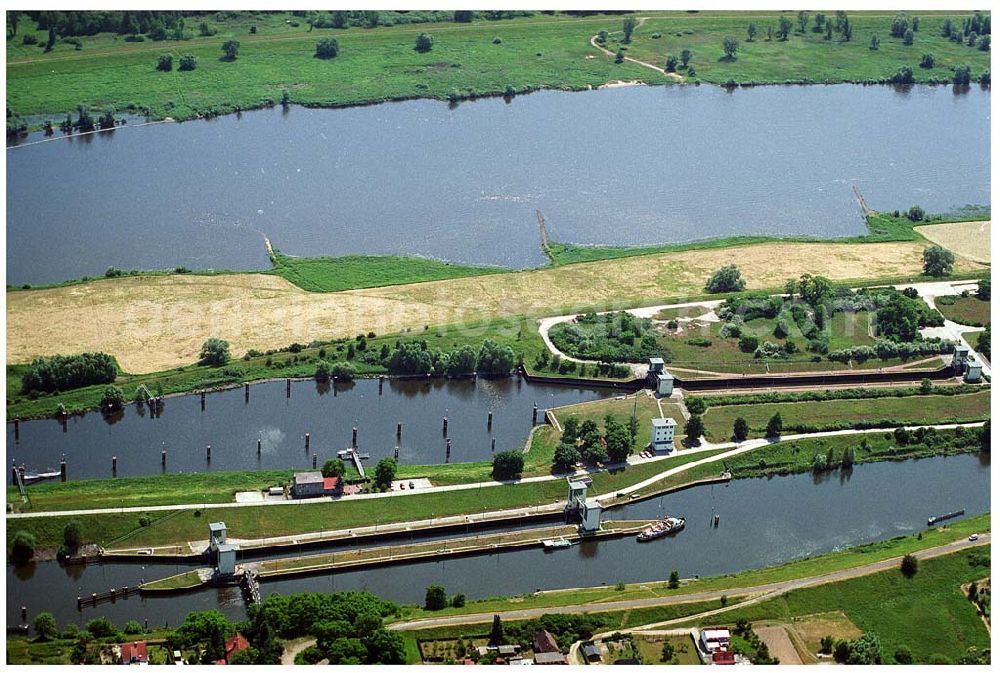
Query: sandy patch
point(968, 239)
point(159, 322)
point(779, 644)
point(620, 83)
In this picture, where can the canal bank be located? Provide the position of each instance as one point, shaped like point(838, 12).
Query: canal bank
point(791, 517)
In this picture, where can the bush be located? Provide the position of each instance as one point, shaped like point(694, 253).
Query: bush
point(424, 42)
point(915, 213)
point(188, 63)
point(22, 546)
point(29, 39)
point(458, 601)
point(101, 627)
point(927, 61)
point(749, 343)
point(230, 50)
point(73, 534)
point(497, 40)
point(327, 48)
point(696, 405)
point(343, 371)
point(726, 279)
point(112, 400)
point(132, 627)
point(214, 352)
point(165, 63)
point(508, 465)
point(908, 566)
point(45, 626)
point(65, 372)
point(334, 468)
point(435, 598)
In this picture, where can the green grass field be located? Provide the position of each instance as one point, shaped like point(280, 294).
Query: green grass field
point(837, 414)
point(965, 310)
point(334, 274)
point(806, 56)
point(928, 613)
point(379, 64)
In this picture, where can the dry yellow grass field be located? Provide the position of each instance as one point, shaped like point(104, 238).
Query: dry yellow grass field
point(157, 322)
point(968, 239)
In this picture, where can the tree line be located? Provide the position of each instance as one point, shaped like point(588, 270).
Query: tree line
point(66, 372)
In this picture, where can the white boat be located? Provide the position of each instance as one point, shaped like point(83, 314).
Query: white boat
point(558, 543)
point(30, 477)
point(667, 526)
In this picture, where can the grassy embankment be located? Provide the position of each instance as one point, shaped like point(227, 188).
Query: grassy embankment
point(851, 557)
point(969, 310)
point(335, 274)
point(381, 64)
point(927, 613)
point(839, 414)
point(179, 526)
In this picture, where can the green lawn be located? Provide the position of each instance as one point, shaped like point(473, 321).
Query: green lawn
point(837, 414)
point(804, 57)
point(334, 274)
point(651, 649)
point(928, 614)
point(542, 51)
point(965, 310)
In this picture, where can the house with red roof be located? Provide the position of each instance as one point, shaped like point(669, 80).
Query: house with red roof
point(135, 653)
point(235, 644)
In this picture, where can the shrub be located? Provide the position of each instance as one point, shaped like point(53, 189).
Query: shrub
point(165, 62)
point(508, 465)
point(62, 372)
point(188, 63)
point(908, 566)
point(927, 61)
point(72, 533)
point(214, 352)
point(749, 343)
point(22, 546)
point(696, 405)
point(726, 279)
point(327, 48)
point(29, 39)
point(435, 598)
point(334, 468)
point(113, 399)
point(915, 213)
point(938, 261)
point(424, 43)
point(230, 50)
point(497, 40)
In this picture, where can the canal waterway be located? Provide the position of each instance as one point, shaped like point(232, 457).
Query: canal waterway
point(622, 166)
point(232, 423)
point(763, 522)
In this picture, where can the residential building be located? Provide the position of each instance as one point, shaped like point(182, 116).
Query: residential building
point(544, 642)
point(134, 653)
point(235, 644)
point(713, 639)
point(592, 653)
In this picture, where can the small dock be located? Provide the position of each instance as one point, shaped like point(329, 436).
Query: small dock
point(112, 595)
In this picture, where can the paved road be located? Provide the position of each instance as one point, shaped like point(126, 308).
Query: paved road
point(758, 593)
point(735, 450)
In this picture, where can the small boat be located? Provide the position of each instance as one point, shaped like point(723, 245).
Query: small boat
point(345, 454)
point(558, 543)
point(364, 456)
point(30, 477)
point(944, 517)
point(668, 526)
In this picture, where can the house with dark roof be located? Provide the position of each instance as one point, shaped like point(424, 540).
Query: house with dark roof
point(544, 642)
point(550, 659)
point(592, 653)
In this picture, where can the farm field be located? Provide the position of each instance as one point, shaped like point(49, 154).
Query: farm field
point(835, 414)
point(927, 613)
point(965, 310)
point(968, 239)
point(379, 64)
point(152, 323)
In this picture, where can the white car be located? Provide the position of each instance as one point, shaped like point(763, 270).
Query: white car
point(973, 537)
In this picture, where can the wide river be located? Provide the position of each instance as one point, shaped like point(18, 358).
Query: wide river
point(232, 424)
point(763, 522)
point(624, 166)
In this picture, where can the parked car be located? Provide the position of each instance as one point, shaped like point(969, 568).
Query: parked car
point(412, 485)
point(973, 537)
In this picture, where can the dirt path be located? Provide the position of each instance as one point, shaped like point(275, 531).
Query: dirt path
point(642, 19)
point(779, 644)
point(293, 647)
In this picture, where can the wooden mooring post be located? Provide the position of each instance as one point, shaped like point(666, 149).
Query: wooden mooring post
point(489, 421)
point(62, 469)
point(114, 466)
point(288, 387)
point(307, 441)
point(354, 436)
point(17, 430)
point(208, 453)
point(444, 426)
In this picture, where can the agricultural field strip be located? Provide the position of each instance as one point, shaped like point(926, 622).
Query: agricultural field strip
point(735, 450)
point(928, 291)
point(760, 592)
point(284, 313)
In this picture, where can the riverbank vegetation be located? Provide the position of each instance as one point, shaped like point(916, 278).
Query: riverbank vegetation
point(921, 619)
point(546, 50)
point(335, 274)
